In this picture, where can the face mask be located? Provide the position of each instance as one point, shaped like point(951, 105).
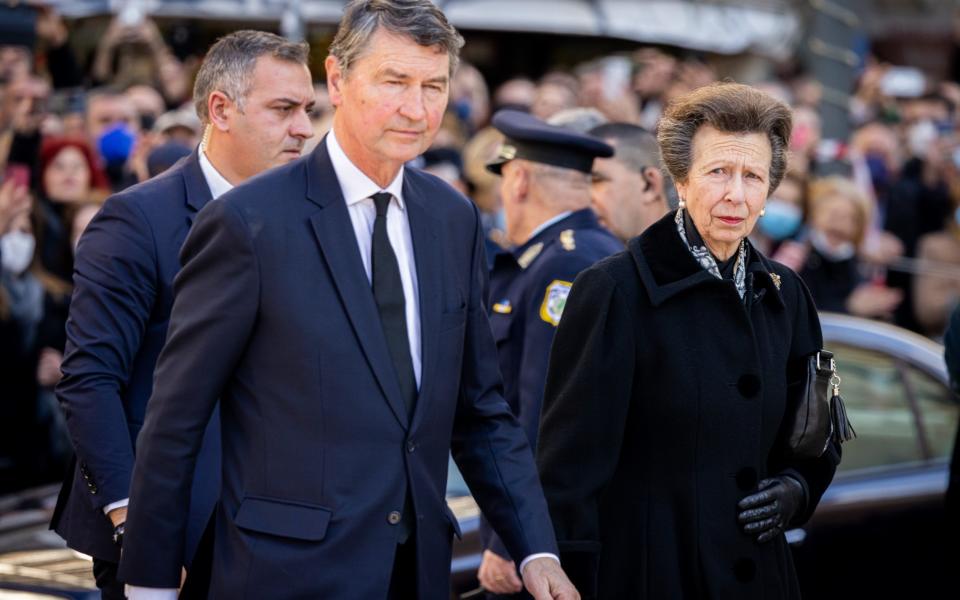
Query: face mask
point(781, 219)
point(878, 171)
point(462, 109)
point(844, 251)
point(16, 251)
point(115, 144)
point(920, 137)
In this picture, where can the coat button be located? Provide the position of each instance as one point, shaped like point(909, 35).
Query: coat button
point(393, 518)
point(747, 479)
point(748, 385)
point(744, 570)
point(411, 446)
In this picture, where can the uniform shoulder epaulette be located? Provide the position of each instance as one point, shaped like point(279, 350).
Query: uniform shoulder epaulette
point(529, 255)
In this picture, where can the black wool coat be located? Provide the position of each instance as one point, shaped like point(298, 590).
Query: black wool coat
point(663, 408)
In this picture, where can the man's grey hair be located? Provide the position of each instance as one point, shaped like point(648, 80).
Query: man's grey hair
point(419, 20)
point(580, 119)
point(228, 65)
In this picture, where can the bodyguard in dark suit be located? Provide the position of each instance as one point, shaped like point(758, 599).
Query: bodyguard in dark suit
point(335, 306)
point(126, 262)
point(546, 198)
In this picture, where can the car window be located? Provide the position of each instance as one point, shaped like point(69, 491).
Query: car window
point(875, 395)
point(939, 412)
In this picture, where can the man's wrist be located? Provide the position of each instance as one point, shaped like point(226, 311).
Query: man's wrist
point(532, 557)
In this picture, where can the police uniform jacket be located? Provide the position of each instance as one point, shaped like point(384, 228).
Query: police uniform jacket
point(528, 290)
point(663, 408)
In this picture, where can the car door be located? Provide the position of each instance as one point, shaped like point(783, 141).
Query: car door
point(878, 532)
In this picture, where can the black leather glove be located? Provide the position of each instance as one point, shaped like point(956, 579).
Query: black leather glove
point(767, 512)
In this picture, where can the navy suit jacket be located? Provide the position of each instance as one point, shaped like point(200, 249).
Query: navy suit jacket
point(123, 277)
point(274, 315)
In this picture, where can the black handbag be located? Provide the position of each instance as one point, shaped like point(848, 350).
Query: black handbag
point(820, 415)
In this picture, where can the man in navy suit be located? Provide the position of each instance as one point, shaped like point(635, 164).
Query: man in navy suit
point(253, 92)
point(336, 307)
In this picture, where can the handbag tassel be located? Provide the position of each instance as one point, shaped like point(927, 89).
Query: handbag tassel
point(842, 427)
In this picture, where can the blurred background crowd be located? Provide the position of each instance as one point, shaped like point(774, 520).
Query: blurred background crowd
point(869, 212)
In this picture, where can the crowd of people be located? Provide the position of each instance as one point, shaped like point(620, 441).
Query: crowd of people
point(877, 238)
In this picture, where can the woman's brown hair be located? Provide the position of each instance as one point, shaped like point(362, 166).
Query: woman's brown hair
point(728, 107)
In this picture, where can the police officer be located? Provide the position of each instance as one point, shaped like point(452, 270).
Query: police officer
point(554, 234)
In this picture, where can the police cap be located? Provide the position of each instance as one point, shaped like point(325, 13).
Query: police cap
point(529, 138)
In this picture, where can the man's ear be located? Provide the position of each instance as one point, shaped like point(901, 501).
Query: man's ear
point(220, 108)
point(334, 80)
point(654, 179)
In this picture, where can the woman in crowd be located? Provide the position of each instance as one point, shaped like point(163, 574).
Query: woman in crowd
point(33, 313)
point(839, 217)
point(69, 176)
point(661, 452)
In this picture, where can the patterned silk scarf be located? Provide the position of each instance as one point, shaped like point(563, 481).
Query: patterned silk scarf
point(709, 263)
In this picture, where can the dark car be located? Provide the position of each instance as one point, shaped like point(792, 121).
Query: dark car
point(877, 532)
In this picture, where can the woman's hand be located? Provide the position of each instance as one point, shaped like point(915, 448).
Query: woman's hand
point(14, 201)
point(48, 367)
point(767, 512)
point(874, 301)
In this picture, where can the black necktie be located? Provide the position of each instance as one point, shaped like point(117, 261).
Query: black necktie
point(388, 292)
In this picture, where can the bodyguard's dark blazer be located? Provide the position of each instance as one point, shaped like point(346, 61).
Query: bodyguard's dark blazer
point(123, 277)
point(663, 408)
point(275, 315)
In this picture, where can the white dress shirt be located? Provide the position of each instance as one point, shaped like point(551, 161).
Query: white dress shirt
point(357, 190)
point(218, 187)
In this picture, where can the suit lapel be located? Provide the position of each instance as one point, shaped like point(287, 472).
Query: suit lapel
point(338, 244)
point(424, 228)
point(197, 188)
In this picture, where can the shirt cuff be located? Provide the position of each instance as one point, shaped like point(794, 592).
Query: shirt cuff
point(115, 505)
point(134, 592)
point(523, 564)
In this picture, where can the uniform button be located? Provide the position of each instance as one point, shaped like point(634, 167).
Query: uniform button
point(748, 385)
point(747, 479)
point(411, 446)
point(744, 570)
point(393, 518)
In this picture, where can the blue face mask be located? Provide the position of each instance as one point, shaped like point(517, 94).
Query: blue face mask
point(116, 144)
point(781, 219)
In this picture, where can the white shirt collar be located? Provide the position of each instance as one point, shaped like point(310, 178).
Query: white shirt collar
point(354, 183)
point(217, 182)
point(550, 222)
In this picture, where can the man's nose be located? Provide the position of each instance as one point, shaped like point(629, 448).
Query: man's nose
point(413, 107)
point(302, 127)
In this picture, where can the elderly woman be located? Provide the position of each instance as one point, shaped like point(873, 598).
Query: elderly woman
point(661, 451)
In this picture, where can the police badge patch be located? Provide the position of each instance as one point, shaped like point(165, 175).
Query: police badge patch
point(554, 300)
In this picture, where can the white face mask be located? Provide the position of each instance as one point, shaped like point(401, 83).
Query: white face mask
point(16, 251)
point(844, 251)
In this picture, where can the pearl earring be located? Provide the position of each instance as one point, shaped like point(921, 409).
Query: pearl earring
point(763, 211)
point(682, 203)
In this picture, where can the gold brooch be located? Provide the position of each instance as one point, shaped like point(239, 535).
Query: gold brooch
point(776, 279)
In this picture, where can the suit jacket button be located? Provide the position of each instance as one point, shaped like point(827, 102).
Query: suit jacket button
point(746, 479)
point(748, 385)
point(393, 518)
point(411, 446)
point(744, 569)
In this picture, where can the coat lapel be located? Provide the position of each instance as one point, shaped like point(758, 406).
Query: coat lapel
point(424, 228)
point(198, 190)
point(338, 245)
